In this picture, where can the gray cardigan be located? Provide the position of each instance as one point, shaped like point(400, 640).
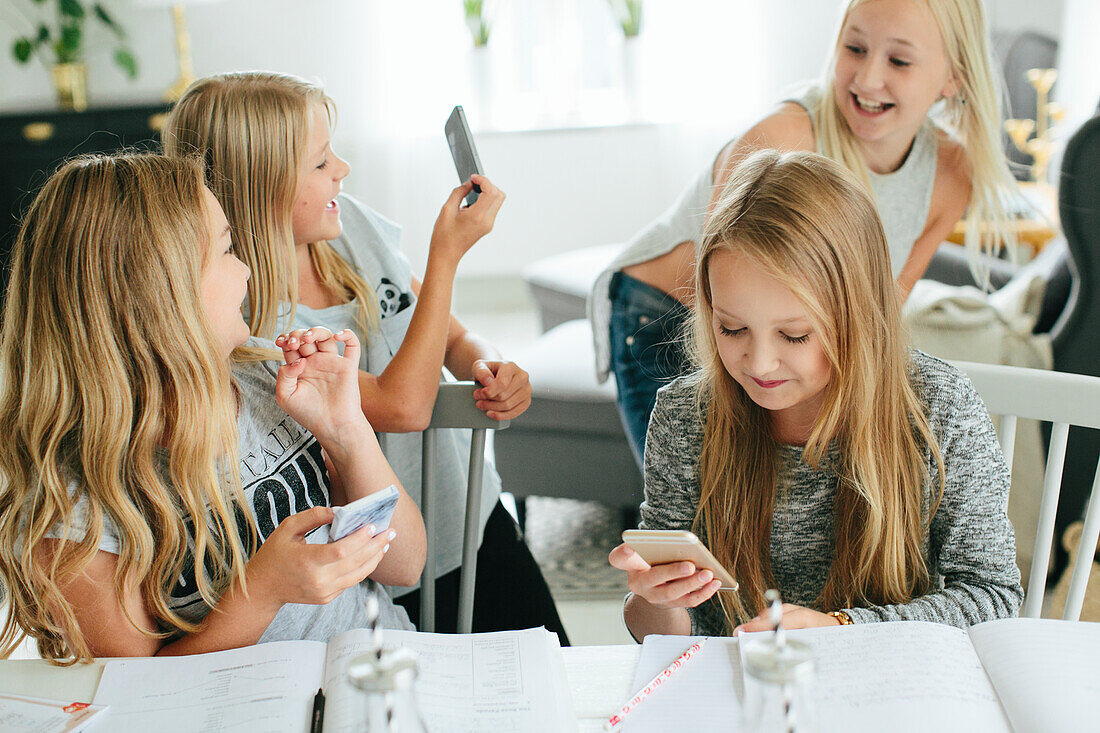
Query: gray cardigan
point(970, 546)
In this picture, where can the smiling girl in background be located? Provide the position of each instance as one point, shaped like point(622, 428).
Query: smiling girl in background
point(812, 451)
point(909, 104)
point(142, 442)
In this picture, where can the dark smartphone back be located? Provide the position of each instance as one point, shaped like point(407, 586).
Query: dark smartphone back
point(463, 151)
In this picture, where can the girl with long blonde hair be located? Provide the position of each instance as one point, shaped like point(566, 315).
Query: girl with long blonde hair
point(811, 450)
point(153, 470)
point(319, 256)
point(909, 103)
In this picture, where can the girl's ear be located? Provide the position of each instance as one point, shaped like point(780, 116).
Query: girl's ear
point(951, 88)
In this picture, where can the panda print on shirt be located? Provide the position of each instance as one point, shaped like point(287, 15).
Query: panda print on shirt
point(391, 300)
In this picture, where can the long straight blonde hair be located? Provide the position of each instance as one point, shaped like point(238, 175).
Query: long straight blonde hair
point(809, 223)
point(252, 130)
point(972, 116)
point(111, 389)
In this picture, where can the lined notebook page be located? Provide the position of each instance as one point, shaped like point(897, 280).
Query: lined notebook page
point(901, 676)
point(1047, 671)
point(703, 695)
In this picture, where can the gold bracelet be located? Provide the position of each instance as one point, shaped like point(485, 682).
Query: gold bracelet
point(842, 617)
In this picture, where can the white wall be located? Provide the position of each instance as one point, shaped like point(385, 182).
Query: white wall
point(1079, 62)
point(567, 188)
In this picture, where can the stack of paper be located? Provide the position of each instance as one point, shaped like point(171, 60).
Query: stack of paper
point(19, 714)
point(508, 680)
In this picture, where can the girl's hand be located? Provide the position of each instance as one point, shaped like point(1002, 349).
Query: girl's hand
point(794, 617)
point(458, 227)
point(317, 386)
point(673, 585)
point(302, 342)
point(506, 389)
point(286, 569)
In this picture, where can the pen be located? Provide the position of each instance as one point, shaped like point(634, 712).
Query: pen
point(318, 717)
point(653, 684)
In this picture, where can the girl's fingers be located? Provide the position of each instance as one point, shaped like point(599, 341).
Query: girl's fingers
point(513, 411)
point(662, 575)
point(508, 381)
point(302, 522)
point(624, 558)
point(369, 554)
point(506, 402)
point(351, 345)
point(483, 374)
point(319, 338)
point(691, 600)
point(677, 591)
point(757, 624)
point(454, 201)
point(286, 381)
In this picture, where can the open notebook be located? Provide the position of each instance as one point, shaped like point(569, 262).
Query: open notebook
point(1022, 675)
point(505, 680)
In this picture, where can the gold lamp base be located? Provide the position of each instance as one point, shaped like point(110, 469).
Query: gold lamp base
point(183, 53)
point(71, 83)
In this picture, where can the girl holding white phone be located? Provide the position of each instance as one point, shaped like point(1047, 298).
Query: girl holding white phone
point(161, 475)
point(811, 451)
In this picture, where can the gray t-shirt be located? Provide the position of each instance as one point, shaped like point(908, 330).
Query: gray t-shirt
point(371, 244)
point(282, 473)
point(970, 547)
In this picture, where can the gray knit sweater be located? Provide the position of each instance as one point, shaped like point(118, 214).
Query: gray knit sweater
point(970, 547)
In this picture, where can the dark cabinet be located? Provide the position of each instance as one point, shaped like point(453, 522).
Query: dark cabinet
point(33, 144)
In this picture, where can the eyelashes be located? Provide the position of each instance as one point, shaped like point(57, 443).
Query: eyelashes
point(789, 339)
point(859, 51)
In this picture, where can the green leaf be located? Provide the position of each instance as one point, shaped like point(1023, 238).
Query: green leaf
point(38, 2)
point(43, 34)
point(71, 8)
point(21, 49)
point(68, 47)
point(107, 20)
point(127, 62)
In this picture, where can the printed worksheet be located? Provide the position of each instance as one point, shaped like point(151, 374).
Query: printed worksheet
point(486, 682)
point(261, 688)
point(494, 682)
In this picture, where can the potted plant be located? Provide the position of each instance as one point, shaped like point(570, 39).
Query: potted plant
point(59, 43)
point(629, 15)
point(477, 21)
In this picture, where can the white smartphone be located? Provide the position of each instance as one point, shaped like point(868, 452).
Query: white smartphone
point(463, 151)
point(376, 509)
point(662, 546)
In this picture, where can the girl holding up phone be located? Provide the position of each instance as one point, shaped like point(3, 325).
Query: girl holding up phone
point(164, 485)
point(318, 256)
point(811, 450)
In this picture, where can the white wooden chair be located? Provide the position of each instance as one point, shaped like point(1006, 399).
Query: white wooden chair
point(1065, 400)
point(454, 409)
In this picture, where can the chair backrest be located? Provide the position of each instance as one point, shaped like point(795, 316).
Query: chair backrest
point(1064, 400)
point(454, 408)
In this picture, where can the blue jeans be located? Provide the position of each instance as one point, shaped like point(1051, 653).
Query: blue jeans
point(647, 352)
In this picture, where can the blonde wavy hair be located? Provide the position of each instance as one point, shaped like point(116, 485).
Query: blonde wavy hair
point(252, 130)
point(972, 116)
point(111, 390)
point(806, 221)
